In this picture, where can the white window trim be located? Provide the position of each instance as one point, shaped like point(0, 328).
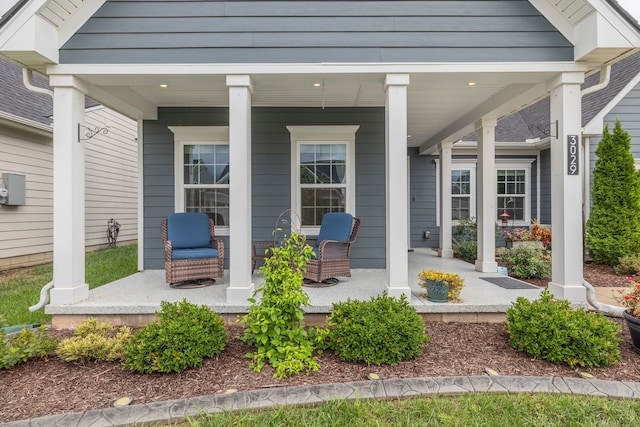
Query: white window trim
point(194, 135)
point(343, 134)
point(471, 165)
point(458, 164)
point(510, 164)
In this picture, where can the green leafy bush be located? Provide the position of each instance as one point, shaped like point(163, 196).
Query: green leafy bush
point(276, 322)
point(628, 264)
point(551, 330)
point(465, 239)
point(527, 262)
point(24, 345)
point(181, 338)
point(613, 228)
point(94, 341)
point(384, 330)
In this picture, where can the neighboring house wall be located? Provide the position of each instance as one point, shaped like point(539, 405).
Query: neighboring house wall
point(111, 176)
point(26, 234)
point(271, 171)
point(26, 237)
point(316, 31)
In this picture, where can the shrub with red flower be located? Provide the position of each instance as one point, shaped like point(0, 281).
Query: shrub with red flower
point(629, 298)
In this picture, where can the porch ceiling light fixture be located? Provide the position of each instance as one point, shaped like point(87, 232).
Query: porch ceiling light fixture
point(317, 84)
point(471, 84)
point(164, 85)
point(89, 132)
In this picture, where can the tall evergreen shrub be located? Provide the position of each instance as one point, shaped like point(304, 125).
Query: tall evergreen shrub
point(613, 229)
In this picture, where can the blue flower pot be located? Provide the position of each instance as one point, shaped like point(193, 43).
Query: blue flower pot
point(437, 291)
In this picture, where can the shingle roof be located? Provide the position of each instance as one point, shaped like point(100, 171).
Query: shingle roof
point(534, 121)
point(16, 99)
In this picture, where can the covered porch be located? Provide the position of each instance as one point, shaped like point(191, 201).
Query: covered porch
point(482, 301)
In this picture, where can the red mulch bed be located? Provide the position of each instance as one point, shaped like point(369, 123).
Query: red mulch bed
point(45, 387)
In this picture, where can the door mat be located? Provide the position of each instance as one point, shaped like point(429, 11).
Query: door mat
point(509, 283)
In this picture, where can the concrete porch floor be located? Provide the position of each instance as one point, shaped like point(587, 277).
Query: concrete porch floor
point(133, 300)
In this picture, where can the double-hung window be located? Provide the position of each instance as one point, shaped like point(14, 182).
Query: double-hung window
point(513, 188)
point(323, 173)
point(202, 172)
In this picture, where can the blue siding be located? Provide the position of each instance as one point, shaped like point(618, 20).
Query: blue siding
point(140, 31)
point(422, 201)
point(271, 169)
point(545, 186)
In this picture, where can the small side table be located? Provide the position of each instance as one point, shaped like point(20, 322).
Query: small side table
point(261, 251)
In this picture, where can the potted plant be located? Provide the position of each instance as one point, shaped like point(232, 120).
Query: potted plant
point(441, 286)
point(630, 298)
point(537, 236)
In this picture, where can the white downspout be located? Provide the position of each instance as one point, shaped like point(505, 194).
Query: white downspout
point(611, 310)
point(27, 79)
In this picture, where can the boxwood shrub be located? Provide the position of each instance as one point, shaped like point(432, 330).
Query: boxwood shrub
point(551, 330)
point(181, 338)
point(384, 330)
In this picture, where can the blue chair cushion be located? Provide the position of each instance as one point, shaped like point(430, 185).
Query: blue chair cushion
point(188, 230)
point(334, 226)
point(194, 253)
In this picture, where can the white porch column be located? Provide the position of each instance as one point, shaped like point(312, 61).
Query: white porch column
point(446, 245)
point(566, 189)
point(68, 191)
point(486, 262)
point(396, 185)
point(240, 284)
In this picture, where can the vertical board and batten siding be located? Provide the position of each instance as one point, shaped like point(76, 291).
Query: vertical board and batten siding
point(271, 172)
point(111, 177)
point(27, 231)
point(628, 112)
point(545, 186)
point(140, 31)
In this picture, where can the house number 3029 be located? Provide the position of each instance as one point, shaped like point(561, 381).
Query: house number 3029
point(573, 155)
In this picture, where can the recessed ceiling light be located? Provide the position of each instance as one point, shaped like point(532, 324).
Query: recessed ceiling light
point(164, 85)
point(409, 136)
point(317, 84)
point(471, 83)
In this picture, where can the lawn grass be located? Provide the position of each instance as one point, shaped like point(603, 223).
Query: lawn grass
point(20, 291)
point(464, 410)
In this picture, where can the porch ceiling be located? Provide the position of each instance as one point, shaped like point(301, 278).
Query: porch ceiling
point(439, 103)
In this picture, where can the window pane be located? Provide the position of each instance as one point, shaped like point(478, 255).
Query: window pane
point(460, 208)
point(318, 201)
point(514, 206)
point(212, 201)
point(460, 182)
point(206, 164)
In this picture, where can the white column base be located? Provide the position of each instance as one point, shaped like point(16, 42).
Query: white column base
point(239, 294)
point(61, 296)
point(576, 294)
point(445, 253)
point(486, 266)
point(398, 291)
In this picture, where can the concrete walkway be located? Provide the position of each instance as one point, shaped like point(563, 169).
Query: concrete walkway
point(176, 410)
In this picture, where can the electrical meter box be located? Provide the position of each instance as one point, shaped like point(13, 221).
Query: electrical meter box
point(15, 185)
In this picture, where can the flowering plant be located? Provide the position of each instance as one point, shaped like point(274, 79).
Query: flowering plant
point(453, 280)
point(629, 298)
point(537, 232)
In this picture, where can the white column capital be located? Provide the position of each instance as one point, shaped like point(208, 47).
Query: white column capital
point(239, 80)
point(445, 145)
point(60, 81)
point(572, 77)
point(396, 80)
point(486, 122)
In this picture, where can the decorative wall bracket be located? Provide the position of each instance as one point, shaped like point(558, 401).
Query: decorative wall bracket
point(90, 132)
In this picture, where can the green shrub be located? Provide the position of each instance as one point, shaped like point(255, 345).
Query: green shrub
point(527, 262)
point(384, 330)
point(467, 250)
point(551, 330)
point(628, 264)
point(181, 338)
point(94, 341)
point(465, 239)
point(276, 322)
point(24, 345)
point(613, 228)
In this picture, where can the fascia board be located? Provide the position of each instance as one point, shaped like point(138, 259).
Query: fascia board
point(35, 35)
point(596, 125)
point(26, 125)
point(597, 32)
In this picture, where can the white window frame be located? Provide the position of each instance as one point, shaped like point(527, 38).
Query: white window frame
point(339, 134)
point(516, 164)
point(195, 135)
point(458, 164)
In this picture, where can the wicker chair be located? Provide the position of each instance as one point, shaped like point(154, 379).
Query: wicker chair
point(191, 251)
point(332, 249)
